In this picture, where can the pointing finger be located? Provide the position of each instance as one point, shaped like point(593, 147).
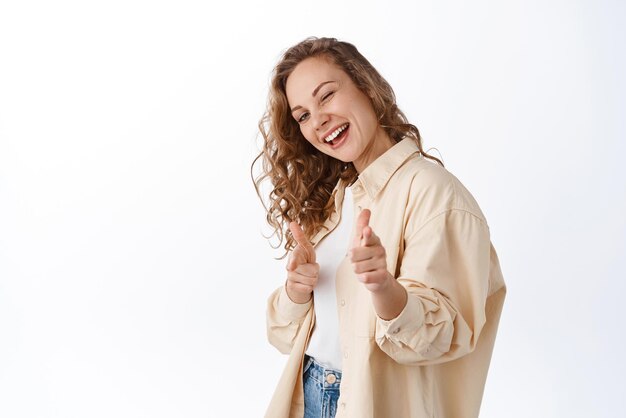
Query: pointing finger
point(301, 239)
point(362, 221)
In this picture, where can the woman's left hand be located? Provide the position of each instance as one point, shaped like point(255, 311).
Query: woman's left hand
point(368, 256)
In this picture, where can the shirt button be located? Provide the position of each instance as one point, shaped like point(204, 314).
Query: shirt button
point(343, 405)
point(331, 378)
point(395, 331)
point(345, 354)
point(343, 302)
point(360, 208)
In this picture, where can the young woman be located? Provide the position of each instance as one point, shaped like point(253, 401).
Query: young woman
point(393, 289)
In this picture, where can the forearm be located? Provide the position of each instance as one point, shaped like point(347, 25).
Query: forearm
point(390, 300)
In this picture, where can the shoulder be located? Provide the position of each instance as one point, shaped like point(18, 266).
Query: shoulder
point(431, 189)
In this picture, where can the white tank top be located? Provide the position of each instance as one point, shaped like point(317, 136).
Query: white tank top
point(324, 342)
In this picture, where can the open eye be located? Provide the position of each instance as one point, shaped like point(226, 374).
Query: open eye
point(303, 117)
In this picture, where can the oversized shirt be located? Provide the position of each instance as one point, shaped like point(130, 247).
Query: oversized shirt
point(430, 361)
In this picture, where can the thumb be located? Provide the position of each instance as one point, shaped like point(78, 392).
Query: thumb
point(369, 237)
point(301, 239)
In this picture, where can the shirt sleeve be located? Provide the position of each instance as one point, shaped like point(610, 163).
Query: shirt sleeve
point(445, 270)
point(284, 319)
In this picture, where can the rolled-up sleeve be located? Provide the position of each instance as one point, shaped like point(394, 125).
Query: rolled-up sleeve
point(284, 319)
point(445, 270)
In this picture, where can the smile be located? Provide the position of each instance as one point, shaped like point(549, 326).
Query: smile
point(337, 133)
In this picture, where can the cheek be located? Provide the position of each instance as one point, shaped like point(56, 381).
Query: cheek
point(364, 112)
point(368, 117)
point(307, 133)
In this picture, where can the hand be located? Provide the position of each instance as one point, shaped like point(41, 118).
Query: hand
point(368, 256)
point(302, 269)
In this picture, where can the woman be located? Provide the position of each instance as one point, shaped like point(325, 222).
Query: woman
point(393, 291)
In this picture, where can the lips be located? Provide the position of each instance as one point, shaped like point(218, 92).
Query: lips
point(340, 138)
point(336, 132)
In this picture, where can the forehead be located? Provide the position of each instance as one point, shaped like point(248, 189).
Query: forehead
point(308, 75)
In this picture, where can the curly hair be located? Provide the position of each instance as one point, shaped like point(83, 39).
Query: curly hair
point(302, 177)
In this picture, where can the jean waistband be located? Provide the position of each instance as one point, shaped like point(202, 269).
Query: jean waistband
point(330, 378)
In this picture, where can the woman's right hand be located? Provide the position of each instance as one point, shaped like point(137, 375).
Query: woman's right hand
point(302, 270)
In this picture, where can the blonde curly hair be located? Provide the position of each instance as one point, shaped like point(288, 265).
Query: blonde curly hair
point(302, 177)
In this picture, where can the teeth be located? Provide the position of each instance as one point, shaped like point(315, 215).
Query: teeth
point(335, 133)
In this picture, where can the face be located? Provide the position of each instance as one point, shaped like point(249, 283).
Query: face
point(333, 114)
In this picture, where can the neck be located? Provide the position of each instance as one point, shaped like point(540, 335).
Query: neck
point(377, 147)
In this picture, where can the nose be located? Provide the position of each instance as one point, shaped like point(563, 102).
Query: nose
point(320, 120)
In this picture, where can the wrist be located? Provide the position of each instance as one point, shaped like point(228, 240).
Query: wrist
point(289, 309)
point(297, 298)
point(386, 286)
point(390, 300)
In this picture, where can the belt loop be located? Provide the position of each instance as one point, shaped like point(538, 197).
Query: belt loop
point(308, 360)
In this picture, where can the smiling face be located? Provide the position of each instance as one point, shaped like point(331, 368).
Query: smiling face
point(333, 114)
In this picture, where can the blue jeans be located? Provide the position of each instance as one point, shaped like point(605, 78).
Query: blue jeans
point(321, 389)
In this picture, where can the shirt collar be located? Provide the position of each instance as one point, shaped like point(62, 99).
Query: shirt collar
point(376, 175)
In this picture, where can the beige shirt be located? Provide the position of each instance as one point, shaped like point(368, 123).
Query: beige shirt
point(432, 359)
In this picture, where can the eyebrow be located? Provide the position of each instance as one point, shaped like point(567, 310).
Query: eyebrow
point(314, 93)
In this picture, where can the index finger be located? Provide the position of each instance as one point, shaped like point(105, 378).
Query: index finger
point(362, 221)
point(301, 239)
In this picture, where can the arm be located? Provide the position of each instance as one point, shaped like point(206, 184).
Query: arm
point(445, 271)
point(284, 319)
point(288, 305)
point(368, 257)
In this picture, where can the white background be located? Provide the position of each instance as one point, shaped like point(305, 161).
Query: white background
point(133, 270)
